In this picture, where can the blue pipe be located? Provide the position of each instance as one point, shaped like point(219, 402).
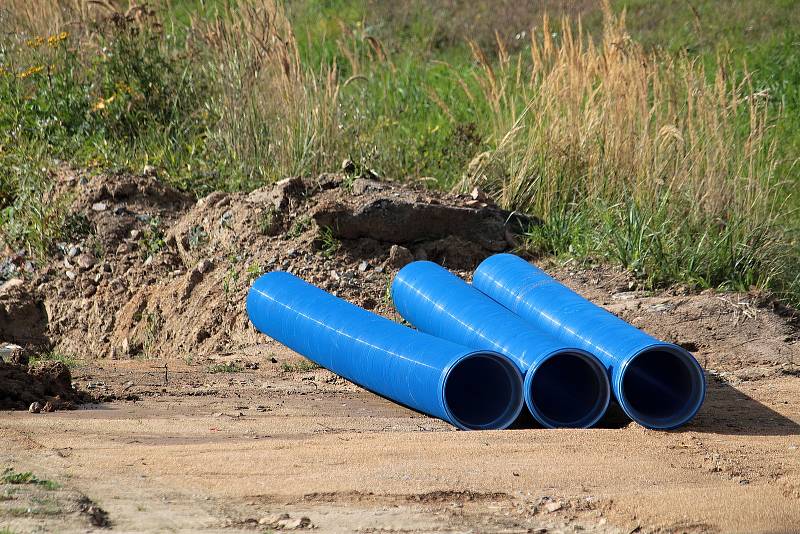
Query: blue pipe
point(564, 387)
point(473, 390)
point(659, 385)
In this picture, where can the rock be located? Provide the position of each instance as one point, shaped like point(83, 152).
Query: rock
point(478, 195)
point(48, 407)
point(334, 276)
point(89, 291)
point(35, 407)
point(363, 185)
point(204, 266)
point(293, 524)
point(399, 217)
point(86, 261)
point(135, 234)
point(71, 275)
point(73, 251)
point(272, 520)
point(99, 206)
point(14, 354)
point(348, 166)
point(10, 284)
point(148, 261)
point(363, 266)
point(553, 506)
point(399, 256)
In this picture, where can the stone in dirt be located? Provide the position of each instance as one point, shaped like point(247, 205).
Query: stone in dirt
point(399, 256)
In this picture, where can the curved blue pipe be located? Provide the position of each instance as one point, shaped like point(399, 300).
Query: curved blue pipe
point(659, 385)
point(564, 387)
point(473, 390)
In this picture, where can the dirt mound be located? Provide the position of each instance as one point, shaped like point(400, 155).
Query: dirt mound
point(48, 383)
point(156, 274)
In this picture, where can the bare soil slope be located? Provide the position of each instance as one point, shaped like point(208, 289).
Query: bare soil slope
point(209, 426)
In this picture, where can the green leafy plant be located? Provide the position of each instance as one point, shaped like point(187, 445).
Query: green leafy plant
point(328, 243)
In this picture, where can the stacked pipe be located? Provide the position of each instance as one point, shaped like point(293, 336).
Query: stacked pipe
point(515, 337)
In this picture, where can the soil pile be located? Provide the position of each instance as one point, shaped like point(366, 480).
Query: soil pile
point(153, 273)
point(47, 383)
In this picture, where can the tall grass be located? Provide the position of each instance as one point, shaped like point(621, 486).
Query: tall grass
point(634, 157)
point(651, 160)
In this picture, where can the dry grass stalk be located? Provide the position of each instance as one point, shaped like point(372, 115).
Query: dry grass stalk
point(608, 122)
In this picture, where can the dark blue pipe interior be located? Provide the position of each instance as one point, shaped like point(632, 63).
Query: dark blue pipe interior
point(568, 389)
point(479, 391)
point(659, 385)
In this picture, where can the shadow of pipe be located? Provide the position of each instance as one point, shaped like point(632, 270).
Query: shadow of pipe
point(730, 411)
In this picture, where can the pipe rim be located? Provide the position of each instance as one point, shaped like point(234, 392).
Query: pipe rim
point(598, 410)
point(692, 406)
point(511, 411)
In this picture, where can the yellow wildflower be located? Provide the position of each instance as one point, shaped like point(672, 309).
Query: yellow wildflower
point(53, 40)
point(103, 102)
point(30, 72)
point(35, 42)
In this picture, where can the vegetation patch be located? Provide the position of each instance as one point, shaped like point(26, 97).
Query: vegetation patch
point(10, 476)
point(668, 148)
point(300, 366)
point(229, 367)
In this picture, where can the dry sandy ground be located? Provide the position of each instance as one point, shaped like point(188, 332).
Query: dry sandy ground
point(218, 451)
point(202, 451)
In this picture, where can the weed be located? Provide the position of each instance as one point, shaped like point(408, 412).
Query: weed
point(197, 237)
point(10, 476)
point(152, 240)
point(229, 367)
point(299, 225)
point(328, 243)
point(300, 366)
point(48, 510)
point(254, 270)
point(53, 356)
point(267, 221)
point(230, 280)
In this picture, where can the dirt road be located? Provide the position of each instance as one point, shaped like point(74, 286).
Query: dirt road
point(219, 451)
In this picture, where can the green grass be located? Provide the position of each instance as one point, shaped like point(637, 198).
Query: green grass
point(397, 89)
point(300, 366)
point(328, 243)
point(230, 367)
point(10, 476)
point(53, 356)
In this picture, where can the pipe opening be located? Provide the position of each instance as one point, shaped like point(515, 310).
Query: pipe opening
point(662, 388)
point(568, 389)
point(483, 391)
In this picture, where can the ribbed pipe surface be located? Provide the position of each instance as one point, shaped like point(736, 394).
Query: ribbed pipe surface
point(657, 384)
point(473, 390)
point(564, 386)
